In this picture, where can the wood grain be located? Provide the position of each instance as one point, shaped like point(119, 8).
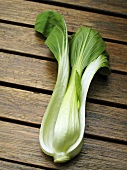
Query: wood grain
point(119, 6)
point(28, 71)
point(25, 12)
point(14, 166)
point(26, 62)
point(114, 88)
point(118, 56)
point(42, 74)
point(25, 40)
point(20, 143)
point(30, 107)
point(22, 39)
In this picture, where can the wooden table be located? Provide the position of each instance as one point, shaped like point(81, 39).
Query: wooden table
point(28, 73)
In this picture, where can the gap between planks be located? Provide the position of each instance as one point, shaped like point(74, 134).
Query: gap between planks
point(42, 75)
point(27, 108)
point(7, 164)
point(112, 9)
point(48, 92)
point(21, 143)
point(69, 33)
point(74, 18)
point(25, 41)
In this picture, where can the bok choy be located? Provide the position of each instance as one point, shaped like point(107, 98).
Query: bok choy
point(63, 125)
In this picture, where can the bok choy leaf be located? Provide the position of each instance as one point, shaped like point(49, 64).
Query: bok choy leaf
point(86, 48)
point(53, 26)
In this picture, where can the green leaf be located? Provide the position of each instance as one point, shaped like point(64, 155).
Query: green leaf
point(57, 42)
point(85, 46)
point(52, 25)
point(47, 20)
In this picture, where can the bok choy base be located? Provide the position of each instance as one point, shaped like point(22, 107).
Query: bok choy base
point(63, 125)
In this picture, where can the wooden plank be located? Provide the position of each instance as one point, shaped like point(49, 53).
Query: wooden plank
point(14, 166)
point(118, 56)
point(42, 74)
point(25, 12)
point(23, 39)
point(119, 6)
point(30, 107)
point(22, 105)
point(28, 71)
point(20, 143)
point(113, 87)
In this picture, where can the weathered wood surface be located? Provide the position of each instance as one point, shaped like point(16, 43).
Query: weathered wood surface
point(20, 143)
point(32, 72)
point(119, 6)
point(30, 107)
point(25, 12)
point(15, 166)
point(42, 74)
point(26, 63)
point(25, 40)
